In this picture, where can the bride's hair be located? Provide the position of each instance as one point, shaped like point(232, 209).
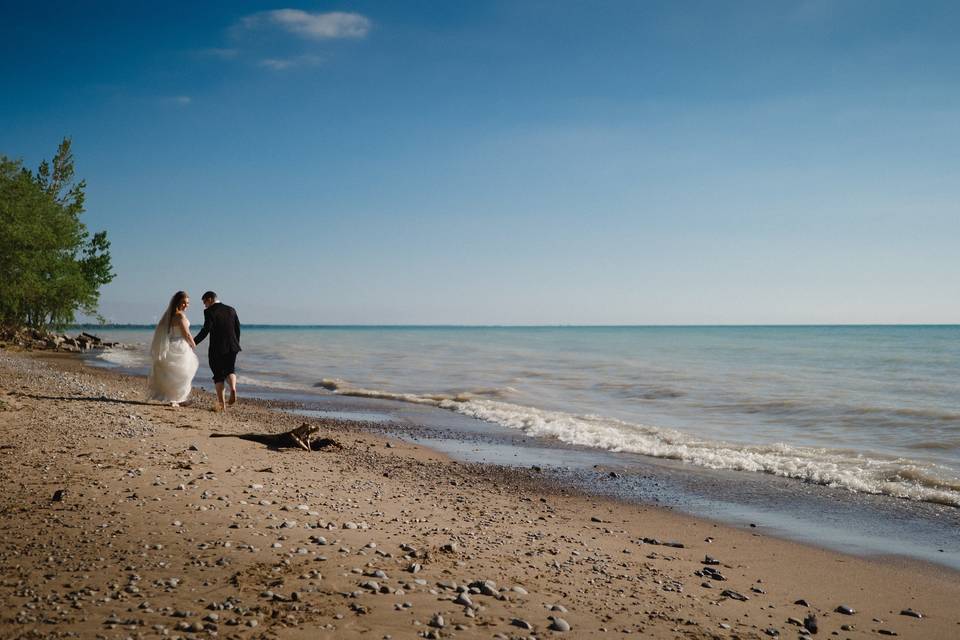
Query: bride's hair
point(175, 302)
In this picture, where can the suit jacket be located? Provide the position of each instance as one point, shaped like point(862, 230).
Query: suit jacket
point(220, 322)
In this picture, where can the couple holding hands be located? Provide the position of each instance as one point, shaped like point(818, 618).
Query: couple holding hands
point(174, 362)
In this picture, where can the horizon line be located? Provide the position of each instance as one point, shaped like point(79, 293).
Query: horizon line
point(546, 326)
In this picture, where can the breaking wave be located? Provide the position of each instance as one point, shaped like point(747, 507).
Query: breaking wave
point(897, 477)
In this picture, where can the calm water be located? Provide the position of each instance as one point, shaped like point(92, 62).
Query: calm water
point(867, 409)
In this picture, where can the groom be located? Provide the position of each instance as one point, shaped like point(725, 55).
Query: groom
point(221, 323)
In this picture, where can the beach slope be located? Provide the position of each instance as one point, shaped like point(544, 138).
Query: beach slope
point(125, 519)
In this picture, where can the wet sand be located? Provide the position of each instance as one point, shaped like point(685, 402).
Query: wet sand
point(161, 531)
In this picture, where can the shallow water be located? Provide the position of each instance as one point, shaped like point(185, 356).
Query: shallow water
point(874, 410)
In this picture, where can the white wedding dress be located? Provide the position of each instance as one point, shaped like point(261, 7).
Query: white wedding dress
point(174, 364)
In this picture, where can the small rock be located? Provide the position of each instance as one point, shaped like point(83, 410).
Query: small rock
point(559, 624)
point(464, 599)
point(523, 624)
point(710, 560)
point(58, 495)
point(773, 633)
point(845, 610)
point(730, 593)
point(810, 623)
point(437, 621)
point(887, 632)
point(911, 613)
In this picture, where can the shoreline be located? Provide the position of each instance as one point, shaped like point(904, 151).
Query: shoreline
point(583, 553)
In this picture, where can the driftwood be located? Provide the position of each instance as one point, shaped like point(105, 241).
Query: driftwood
point(295, 438)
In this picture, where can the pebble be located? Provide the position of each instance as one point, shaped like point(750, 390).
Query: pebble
point(349, 525)
point(730, 593)
point(437, 621)
point(464, 599)
point(559, 624)
point(911, 613)
point(710, 560)
point(887, 632)
point(773, 633)
point(520, 590)
point(845, 610)
point(523, 624)
point(810, 623)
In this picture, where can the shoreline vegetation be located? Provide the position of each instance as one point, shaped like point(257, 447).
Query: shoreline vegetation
point(123, 518)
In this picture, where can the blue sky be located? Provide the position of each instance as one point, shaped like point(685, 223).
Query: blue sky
point(507, 162)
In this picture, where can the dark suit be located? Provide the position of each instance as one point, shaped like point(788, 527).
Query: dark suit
point(220, 322)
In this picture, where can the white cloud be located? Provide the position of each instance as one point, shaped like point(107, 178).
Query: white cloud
point(280, 64)
point(178, 101)
point(314, 26)
point(223, 54)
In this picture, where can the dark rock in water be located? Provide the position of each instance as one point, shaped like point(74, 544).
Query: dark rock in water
point(59, 493)
point(887, 632)
point(730, 593)
point(845, 610)
point(801, 602)
point(810, 623)
point(710, 560)
point(911, 613)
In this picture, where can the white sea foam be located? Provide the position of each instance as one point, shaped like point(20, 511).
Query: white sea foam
point(899, 477)
point(124, 357)
point(285, 385)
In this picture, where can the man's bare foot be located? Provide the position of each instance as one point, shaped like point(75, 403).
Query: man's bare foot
point(233, 397)
point(218, 408)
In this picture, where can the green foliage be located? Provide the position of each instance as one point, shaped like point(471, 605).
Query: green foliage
point(50, 265)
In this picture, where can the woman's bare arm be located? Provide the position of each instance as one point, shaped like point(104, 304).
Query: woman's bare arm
point(185, 330)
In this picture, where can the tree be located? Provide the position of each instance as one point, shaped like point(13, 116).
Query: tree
point(50, 265)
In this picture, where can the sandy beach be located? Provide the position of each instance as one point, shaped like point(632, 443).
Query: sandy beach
point(123, 519)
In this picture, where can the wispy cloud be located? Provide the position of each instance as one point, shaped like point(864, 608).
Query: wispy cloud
point(281, 64)
point(178, 101)
point(313, 26)
point(222, 54)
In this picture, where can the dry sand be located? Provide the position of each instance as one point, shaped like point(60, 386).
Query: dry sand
point(164, 532)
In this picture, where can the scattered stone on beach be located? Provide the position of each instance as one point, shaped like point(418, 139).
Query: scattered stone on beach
point(801, 602)
point(58, 495)
point(710, 560)
point(810, 623)
point(733, 595)
point(559, 624)
point(911, 613)
point(845, 610)
point(437, 621)
point(773, 633)
point(463, 598)
point(523, 624)
point(887, 632)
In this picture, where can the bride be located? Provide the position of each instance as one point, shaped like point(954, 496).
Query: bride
point(174, 362)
